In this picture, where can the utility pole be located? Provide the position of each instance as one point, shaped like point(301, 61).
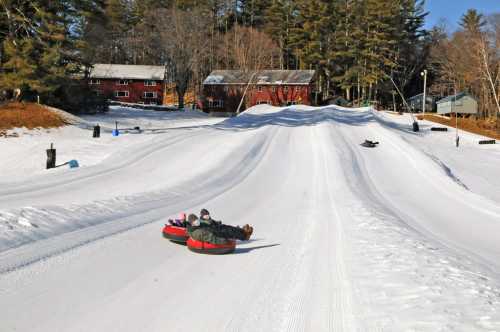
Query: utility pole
point(245, 92)
point(415, 123)
point(424, 74)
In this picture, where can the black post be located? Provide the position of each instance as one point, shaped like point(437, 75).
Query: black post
point(97, 131)
point(415, 126)
point(51, 157)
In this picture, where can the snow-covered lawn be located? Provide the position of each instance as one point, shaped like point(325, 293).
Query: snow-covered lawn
point(471, 163)
point(25, 157)
point(401, 237)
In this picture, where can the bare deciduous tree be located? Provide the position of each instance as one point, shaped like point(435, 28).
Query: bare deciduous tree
point(250, 49)
point(183, 41)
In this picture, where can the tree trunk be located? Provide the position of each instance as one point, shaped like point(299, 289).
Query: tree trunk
point(181, 100)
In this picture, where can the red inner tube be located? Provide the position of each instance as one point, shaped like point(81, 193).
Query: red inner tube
point(175, 230)
point(210, 248)
point(175, 233)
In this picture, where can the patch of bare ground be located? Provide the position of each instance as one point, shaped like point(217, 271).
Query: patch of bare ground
point(486, 127)
point(28, 115)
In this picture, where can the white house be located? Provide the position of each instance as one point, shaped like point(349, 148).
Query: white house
point(461, 103)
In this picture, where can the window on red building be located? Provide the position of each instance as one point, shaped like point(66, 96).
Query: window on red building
point(216, 103)
point(285, 89)
point(149, 94)
point(121, 94)
point(149, 83)
point(259, 88)
point(122, 82)
point(95, 81)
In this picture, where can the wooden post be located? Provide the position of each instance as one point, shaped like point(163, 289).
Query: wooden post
point(97, 131)
point(51, 157)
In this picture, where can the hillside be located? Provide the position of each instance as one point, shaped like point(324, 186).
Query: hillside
point(27, 115)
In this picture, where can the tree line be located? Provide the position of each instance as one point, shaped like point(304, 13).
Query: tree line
point(358, 47)
point(468, 60)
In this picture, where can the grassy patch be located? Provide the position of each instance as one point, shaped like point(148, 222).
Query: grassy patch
point(29, 115)
point(482, 127)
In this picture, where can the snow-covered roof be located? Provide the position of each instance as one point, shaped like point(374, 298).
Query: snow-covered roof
point(132, 72)
point(272, 77)
point(458, 96)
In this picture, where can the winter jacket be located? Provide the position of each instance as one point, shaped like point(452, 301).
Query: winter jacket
point(209, 222)
point(205, 233)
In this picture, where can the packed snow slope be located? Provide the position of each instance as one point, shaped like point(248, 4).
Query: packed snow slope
point(346, 238)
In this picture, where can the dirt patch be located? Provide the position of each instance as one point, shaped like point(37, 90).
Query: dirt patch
point(29, 115)
point(481, 127)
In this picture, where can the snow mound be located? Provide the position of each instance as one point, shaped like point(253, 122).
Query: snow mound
point(261, 109)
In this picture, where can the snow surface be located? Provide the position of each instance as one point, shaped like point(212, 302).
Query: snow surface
point(402, 237)
point(214, 79)
point(25, 157)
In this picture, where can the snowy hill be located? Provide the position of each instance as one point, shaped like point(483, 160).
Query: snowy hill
point(400, 237)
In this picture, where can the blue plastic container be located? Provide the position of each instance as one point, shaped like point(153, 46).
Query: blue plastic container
point(73, 164)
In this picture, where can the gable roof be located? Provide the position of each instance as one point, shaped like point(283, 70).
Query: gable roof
point(458, 96)
point(270, 77)
point(133, 72)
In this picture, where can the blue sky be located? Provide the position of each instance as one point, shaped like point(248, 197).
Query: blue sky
point(452, 10)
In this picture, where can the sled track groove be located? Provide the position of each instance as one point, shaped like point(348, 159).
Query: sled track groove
point(28, 254)
point(342, 302)
point(133, 158)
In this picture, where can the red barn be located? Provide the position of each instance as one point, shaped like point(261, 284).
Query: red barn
point(223, 89)
point(129, 83)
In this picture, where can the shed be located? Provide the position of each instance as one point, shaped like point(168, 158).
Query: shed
point(416, 103)
point(461, 103)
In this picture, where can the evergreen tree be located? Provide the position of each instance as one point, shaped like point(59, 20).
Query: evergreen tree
point(119, 22)
point(253, 12)
point(309, 37)
point(42, 49)
point(90, 29)
point(38, 58)
point(281, 18)
point(472, 21)
point(344, 50)
point(411, 49)
point(377, 54)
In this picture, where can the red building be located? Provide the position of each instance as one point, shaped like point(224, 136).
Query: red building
point(223, 89)
point(129, 83)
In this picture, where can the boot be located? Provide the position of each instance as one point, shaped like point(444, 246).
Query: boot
point(248, 230)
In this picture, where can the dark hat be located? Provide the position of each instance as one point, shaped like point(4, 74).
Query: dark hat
point(204, 212)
